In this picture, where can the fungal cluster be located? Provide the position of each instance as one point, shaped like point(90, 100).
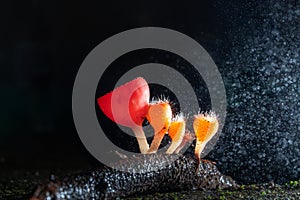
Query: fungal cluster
point(129, 105)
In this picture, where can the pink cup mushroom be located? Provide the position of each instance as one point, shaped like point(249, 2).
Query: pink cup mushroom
point(128, 106)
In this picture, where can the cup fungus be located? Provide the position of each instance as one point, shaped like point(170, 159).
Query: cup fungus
point(205, 127)
point(159, 116)
point(176, 132)
point(128, 105)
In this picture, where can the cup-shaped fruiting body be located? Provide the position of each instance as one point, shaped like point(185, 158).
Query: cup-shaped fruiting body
point(159, 116)
point(128, 105)
point(205, 126)
point(176, 132)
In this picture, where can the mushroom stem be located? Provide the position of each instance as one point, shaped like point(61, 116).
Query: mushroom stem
point(156, 141)
point(186, 139)
point(141, 138)
point(199, 148)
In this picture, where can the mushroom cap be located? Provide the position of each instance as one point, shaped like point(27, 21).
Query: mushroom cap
point(205, 126)
point(160, 115)
point(128, 104)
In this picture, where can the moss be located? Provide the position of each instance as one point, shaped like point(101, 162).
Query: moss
point(222, 197)
point(253, 186)
point(293, 184)
point(242, 187)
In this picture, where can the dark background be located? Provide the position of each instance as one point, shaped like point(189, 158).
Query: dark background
point(43, 44)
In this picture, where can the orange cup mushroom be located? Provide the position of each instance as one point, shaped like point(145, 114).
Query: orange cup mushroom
point(176, 132)
point(205, 127)
point(128, 105)
point(159, 116)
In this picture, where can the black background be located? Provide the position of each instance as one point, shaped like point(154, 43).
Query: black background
point(43, 44)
